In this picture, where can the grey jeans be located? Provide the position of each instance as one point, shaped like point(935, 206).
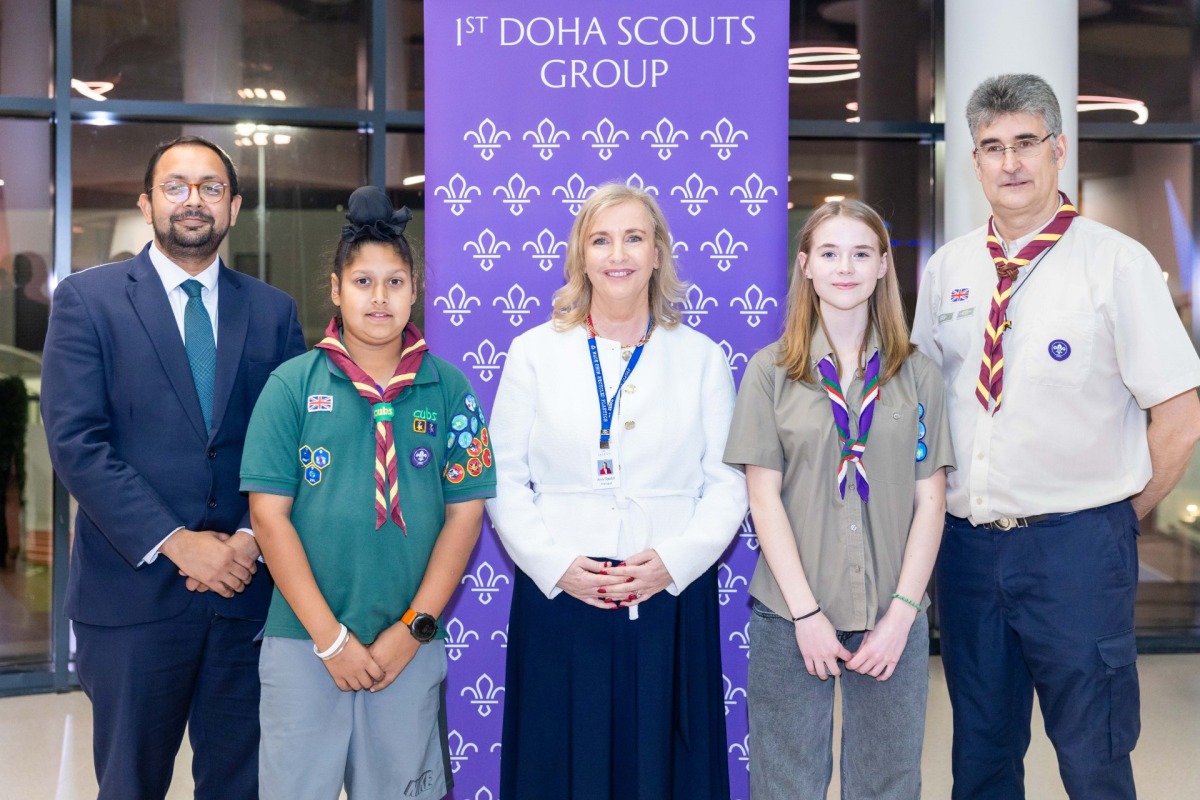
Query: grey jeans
point(791, 719)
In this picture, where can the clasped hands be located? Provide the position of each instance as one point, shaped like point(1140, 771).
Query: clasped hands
point(373, 667)
point(604, 584)
point(876, 657)
point(213, 561)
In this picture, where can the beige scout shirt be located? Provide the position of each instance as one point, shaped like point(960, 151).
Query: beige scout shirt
point(1095, 339)
point(851, 559)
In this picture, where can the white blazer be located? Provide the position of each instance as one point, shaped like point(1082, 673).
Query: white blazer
point(668, 437)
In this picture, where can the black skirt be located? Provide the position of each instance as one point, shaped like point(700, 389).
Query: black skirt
point(598, 706)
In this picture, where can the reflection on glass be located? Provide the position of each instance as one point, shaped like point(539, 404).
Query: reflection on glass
point(1146, 190)
point(258, 52)
point(26, 480)
point(1138, 53)
point(861, 61)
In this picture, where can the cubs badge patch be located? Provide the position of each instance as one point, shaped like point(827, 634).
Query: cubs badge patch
point(474, 467)
point(455, 473)
point(458, 422)
point(486, 458)
point(476, 448)
point(420, 426)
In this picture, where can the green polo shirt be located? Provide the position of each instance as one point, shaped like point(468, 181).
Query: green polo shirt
point(312, 438)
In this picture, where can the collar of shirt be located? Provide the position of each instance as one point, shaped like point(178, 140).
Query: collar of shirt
point(1017, 245)
point(172, 276)
point(821, 347)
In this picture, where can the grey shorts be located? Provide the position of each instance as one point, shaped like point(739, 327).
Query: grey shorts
point(317, 738)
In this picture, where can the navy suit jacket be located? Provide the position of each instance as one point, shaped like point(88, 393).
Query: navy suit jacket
point(127, 437)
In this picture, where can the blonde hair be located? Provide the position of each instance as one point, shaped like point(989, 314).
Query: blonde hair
point(885, 314)
point(573, 300)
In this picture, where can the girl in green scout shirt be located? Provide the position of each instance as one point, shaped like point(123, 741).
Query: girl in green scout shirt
point(367, 462)
point(840, 427)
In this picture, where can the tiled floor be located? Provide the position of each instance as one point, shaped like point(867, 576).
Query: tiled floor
point(45, 751)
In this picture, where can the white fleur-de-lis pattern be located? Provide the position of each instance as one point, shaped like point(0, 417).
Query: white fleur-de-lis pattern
point(508, 165)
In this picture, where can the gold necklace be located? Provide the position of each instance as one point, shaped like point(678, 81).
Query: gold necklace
point(626, 349)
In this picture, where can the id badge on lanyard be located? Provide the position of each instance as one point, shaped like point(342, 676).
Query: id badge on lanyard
point(604, 466)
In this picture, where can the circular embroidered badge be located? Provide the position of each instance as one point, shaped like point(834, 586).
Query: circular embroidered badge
point(420, 457)
point(1059, 350)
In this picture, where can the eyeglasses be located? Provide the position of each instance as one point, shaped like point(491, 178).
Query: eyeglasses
point(180, 191)
point(1024, 149)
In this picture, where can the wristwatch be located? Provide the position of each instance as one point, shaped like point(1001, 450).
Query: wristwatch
point(423, 627)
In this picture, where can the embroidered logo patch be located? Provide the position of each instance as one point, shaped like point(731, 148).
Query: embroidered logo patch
point(476, 448)
point(455, 473)
point(321, 458)
point(320, 402)
point(474, 467)
point(458, 422)
point(958, 295)
point(420, 456)
point(922, 449)
point(464, 440)
point(486, 457)
point(420, 426)
point(431, 428)
point(1059, 350)
point(470, 402)
point(314, 461)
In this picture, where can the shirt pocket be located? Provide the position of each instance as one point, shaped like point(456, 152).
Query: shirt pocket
point(893, 436)
point(1058, 350)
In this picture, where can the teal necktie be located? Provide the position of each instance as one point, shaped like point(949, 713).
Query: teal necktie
point(201, 347)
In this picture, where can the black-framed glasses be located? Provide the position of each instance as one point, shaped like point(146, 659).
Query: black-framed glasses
point(180, 191)
point(1023, 149)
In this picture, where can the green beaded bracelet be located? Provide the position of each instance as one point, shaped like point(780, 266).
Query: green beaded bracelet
point(901, 597)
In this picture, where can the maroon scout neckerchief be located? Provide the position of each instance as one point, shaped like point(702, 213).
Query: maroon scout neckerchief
point(387, 487)
point(991, 370)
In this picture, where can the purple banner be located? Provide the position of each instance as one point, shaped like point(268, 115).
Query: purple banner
point(530, 111)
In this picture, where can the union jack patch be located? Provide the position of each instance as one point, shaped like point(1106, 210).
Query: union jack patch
point(320, 402)
point(958, 295)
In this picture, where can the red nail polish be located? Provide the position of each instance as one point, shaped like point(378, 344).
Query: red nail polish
point(601, 590)
point(631, 597)
point(629, 579)
point(603, 572)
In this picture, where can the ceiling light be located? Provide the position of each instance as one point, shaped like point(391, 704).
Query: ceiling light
point(833, 198)
point(842, 176)
point(278, 94)
point(413, 180)
point(837, 64)
point(93, 90)
point(1092, 102)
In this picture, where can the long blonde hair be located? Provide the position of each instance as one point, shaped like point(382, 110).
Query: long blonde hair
point(885, 314)
point(573, 300)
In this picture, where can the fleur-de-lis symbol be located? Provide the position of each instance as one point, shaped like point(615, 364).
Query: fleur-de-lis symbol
point(754, 193)
point(487, 138)
point(516, 194)
point(742, 639)
point(724, 249)
point(545, 249)
point(459, 748)
point(605, 138)
point(484, 793)
point(487, 249)
point(456, 638)
point(678, 247)
point(746, 531)
point(727, 583)
point(487, 361)
point(733, 359)
point(487, 581)
point(664, 138)
point(731, 693)
point(574, 192)
point(638, 182)
point(516, 304)
point(484, 694)
point(694, 305)
point(742, 749)
point(694, 193)
point(754, 305)
point(502, 636)
point(458, 193)
point(545, 138)
point(457, 303)
point(724, 138)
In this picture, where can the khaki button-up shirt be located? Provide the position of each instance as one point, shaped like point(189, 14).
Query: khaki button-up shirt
point(851, 552)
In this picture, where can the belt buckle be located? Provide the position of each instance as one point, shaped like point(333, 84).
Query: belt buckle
point(1005, 523)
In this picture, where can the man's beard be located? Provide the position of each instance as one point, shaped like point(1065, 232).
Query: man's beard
point(191, 243)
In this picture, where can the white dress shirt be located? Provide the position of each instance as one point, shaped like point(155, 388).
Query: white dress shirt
point(1095, 340)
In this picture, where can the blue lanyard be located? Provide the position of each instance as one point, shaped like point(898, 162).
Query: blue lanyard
point(607, 408)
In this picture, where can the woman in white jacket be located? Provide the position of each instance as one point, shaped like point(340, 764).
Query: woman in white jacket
point(609, 427)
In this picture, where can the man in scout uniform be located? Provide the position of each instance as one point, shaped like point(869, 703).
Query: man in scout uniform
point(1055, 336)
point(150, 372)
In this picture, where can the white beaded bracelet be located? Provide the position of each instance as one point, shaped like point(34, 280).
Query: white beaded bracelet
point(339, 644)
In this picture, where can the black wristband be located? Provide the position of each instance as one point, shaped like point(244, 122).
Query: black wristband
point(812, 613)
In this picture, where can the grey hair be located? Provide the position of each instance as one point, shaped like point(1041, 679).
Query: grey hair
point(1013, 94)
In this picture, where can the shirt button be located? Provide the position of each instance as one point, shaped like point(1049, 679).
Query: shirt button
point(212, 502)
point(212, 453)
point(978, 501)
point(853, 527)
point(980, 456)
point(630, 425)
point(896, 415)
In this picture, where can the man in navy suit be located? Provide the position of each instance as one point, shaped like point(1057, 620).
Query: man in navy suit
point(150, 371)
